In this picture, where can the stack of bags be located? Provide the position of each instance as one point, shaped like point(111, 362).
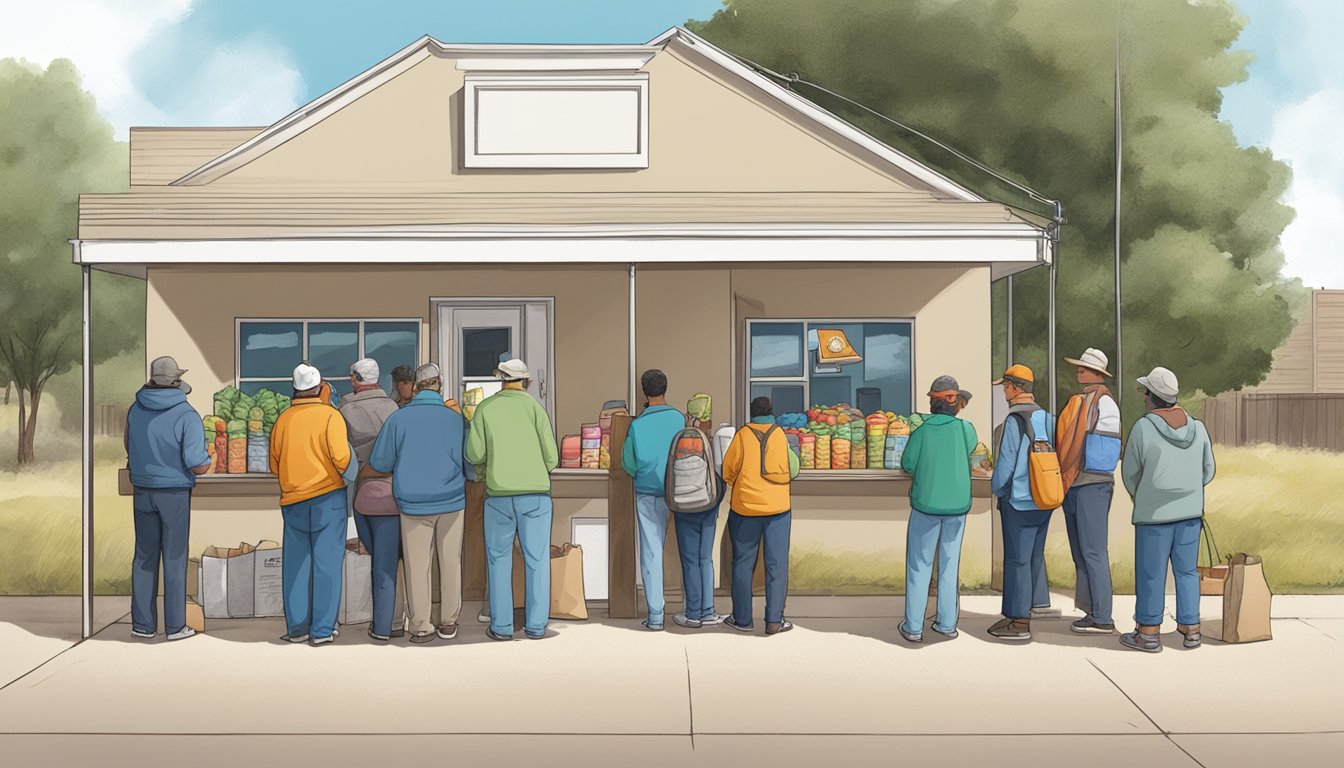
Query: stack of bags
point(823, 449)
point(807, 450)
point(258, 443)
point(898, 434)
point(571, 452)
point(211, 435)
point(237, 446)
point(877, 438)
point(590, 456)
point(858, 441)
point(610, 409)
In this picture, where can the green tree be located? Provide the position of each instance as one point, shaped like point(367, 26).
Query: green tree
point(1028, 89)
point(53, 146)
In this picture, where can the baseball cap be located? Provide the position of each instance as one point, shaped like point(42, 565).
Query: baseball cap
point(427, 372)
point(366, 370)
point(306, 377)
point(164, 372)
point(513, 370)
point(1019, 372)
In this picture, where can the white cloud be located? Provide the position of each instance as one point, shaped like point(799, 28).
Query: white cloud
point(1313, 244)
point(252, 81)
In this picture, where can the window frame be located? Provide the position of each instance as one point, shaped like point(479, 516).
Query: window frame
point(747, 380)
point(304, 322)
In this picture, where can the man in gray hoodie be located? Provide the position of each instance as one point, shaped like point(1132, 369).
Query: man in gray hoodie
point(1167, 463)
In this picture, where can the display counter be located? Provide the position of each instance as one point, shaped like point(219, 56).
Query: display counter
point(565, 484)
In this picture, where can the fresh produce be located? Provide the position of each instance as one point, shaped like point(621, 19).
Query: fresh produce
point(807, 450)
point(254, 421)
point(237, 431)
point(225, 399)
point(840, 448)
point(823, 451)
point(700, 407)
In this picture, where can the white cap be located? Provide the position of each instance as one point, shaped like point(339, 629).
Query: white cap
point(306, 377)
point(1161, 382)
point(365, 370)
point(427, 372)
point(512, 370)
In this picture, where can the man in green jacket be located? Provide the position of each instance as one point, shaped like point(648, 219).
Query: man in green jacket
point(938, 457)
point(511, 437)
point(1168, 461)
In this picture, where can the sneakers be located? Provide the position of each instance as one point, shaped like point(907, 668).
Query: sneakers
point(651, 627)
point(182, 634)
point(776, 627)
point(295, 638)
point(681, 621)
point(380, 638)
point(731, 623)
point(1141, 642)
point(446, 632)
point(329, 639)
point(1192, 639)
point(537, 636)
point(483, 615)
point(713, 619)
point(1012, 629)
point(1046, 612)
point(420, 638)
point(1088, 626)
point(142, 635)
point(910, 637)
point(493, 635)
point(399, 632)
point(952, 635)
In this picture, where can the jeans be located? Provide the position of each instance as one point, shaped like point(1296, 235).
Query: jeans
point(381, 535)
point(529, 517)
point(1023, 557)
point(695, 545)
point(1087, 509)
point(1154, 547)
point(925, 535)
point(162, 523)
point(747, 533)
point(313, 552)
point(651, 512)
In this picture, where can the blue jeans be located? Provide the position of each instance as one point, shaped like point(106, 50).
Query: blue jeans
point(747, 533)
point(925, 535)
point(1154, 547)
point(529, 517)
point(381, 535)
point(162, 524)
point(1087, 509)
point(695, 545)
point(1023, 557)
point(651, 512)
point(313, 552)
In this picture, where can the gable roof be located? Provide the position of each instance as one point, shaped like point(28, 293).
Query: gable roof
point(581, 57)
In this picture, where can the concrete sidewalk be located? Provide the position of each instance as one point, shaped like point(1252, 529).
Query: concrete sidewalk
point(841, 688)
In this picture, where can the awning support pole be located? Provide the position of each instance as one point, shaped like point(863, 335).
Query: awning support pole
point(86, 580)
point(1010, 325)
point(634, 372)
point(1054, 271)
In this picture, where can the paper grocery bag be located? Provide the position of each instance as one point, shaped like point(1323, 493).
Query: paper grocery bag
point(567, 591)
point(226, 582)
point(268, 592)
point(1246, 600)
point(195, 616)
point(356, 585)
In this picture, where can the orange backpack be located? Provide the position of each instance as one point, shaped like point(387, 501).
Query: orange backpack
point(1047, 483)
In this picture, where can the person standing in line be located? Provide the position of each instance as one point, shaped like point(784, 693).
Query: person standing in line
point(1024, 523)
point(512, 440)
point(644, 458)
point(937, 457)
point(1088, 438)
point(1167, 463)
point(403, 384)
point(310, 451)
point(760, 467)
point(165, 451)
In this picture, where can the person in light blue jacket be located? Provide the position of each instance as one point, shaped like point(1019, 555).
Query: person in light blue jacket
point(1167, 463)
point(165, 450)
point(1024, 523)
point(644, 458)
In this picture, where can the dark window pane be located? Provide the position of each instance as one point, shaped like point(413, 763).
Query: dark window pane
point(776, 349)
point(251, 388)
point(269, 350)
point(786, 398)
point(333, 348)
point(481, 349)
point(391, 344)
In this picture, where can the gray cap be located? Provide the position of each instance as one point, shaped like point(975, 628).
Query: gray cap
point(945, 384)
point(1162, 382)
point(427, 372)
point(366, 370)
point(164, 372)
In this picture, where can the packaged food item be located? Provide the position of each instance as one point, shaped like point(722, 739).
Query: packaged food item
point(895, 446)
point(807, 443)
point(858, 455)
point(258, 453)
point(591, 432)
point(571, 452)
point(590, 458)
point(823, 452)
point(840, 448)
point(610, 409)
point(470, 399)
point(899, 426)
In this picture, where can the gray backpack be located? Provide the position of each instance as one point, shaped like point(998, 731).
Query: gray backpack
point(691, 484)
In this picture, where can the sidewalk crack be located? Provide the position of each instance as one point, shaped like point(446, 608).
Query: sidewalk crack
point(1163, 731)
point(690, 700)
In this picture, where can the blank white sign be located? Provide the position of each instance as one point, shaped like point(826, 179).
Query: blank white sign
point(591, 534)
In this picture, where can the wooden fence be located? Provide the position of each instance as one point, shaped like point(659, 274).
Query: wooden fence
point(1289, 420)
point(110, 420)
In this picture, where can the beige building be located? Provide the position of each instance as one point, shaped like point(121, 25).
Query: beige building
point(595, 210)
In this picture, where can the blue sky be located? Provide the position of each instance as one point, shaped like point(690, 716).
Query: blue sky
point(250, 62)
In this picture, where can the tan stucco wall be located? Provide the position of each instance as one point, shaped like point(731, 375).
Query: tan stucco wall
point(704, 136)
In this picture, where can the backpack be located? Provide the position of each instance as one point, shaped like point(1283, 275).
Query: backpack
point(764, 439)
point(691, 484)
point(1047, 484)
point(1101, 450)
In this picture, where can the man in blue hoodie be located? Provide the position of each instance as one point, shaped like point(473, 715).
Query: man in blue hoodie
point(423, 446)
point(1024, 524)
point(165, 449)
point(644, 458)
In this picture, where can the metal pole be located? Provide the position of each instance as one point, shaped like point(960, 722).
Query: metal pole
point(1054, 270)
point(634, 373)
point(86, 581)
point(1010, 323)
point(1119, 388)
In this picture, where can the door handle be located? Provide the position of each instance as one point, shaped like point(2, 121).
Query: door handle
point(541, 384)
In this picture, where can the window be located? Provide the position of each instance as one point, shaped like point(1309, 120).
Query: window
point(268, 350)
point(783, 365)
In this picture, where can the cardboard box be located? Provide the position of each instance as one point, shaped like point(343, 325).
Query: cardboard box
point(195, 616)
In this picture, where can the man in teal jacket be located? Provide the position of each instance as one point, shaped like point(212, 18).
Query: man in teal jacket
point(938, 459)
point(1167, 463)
point(511, 437)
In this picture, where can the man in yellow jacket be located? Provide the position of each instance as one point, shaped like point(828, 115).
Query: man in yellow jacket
point(759, 465)
point(310, 451)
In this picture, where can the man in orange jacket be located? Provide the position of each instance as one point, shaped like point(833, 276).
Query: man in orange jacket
point(759, 465)
point(310, 451)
